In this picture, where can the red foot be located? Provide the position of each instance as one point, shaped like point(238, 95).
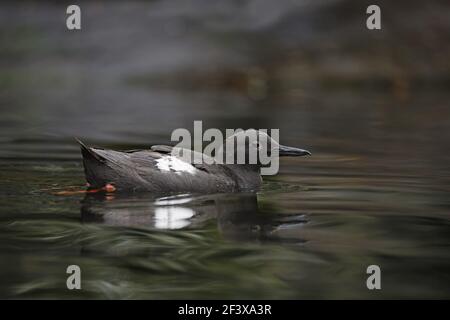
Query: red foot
point(108, 188)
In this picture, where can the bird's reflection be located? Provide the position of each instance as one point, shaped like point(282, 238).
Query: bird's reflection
point(237, 215)
point(173, 217)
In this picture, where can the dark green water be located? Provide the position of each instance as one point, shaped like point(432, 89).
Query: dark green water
point(375, 191)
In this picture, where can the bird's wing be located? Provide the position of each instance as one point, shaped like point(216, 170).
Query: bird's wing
point(156, 169)
point(162, 148)
point(197, 159)
point(166, 171)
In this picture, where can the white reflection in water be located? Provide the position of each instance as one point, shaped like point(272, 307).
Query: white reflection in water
point(173, 217)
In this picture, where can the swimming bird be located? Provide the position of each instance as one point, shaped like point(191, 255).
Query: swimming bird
point(162, 170)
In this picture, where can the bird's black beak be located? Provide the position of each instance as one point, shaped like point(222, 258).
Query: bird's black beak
point(285, 151)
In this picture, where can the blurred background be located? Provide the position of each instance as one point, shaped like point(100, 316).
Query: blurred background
point(372, 106)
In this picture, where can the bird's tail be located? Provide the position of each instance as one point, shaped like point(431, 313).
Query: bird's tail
point(89, 153)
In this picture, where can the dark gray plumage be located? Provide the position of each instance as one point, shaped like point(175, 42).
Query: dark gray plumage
point(158, 170)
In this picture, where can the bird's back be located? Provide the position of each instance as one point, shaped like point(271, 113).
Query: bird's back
point(157, 170)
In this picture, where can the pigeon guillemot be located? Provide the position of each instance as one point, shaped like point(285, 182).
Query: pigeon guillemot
point(159, 170)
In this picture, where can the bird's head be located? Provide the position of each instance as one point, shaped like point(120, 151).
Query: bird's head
point(256, 147)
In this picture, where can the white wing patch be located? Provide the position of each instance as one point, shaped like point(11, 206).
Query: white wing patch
point(168, 163)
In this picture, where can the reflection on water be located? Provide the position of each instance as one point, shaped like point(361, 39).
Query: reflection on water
point(311, 232)
point(237, 215)
point(172, 217)
point(308, 235)
point(162, 213)
point(376, 190)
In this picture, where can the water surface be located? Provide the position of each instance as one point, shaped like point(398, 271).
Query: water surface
point(375, 191)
